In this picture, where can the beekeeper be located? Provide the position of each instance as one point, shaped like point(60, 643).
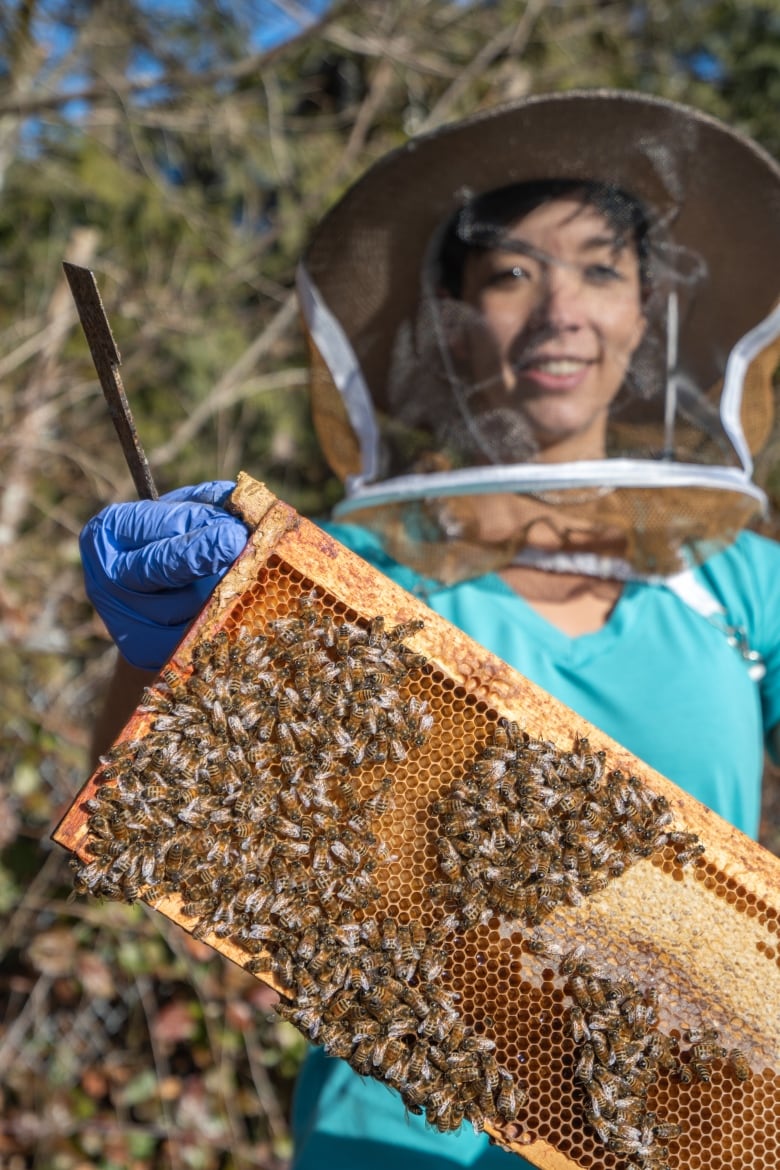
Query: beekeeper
point(543, 345)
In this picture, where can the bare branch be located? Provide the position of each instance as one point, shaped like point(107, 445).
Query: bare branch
point(512, 39)
point(37, 400)
point(225, 392)
point(29, 100)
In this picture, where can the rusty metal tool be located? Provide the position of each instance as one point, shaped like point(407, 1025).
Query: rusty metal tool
point(106, 357)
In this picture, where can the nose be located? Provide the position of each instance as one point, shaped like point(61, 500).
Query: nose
point(562, 304)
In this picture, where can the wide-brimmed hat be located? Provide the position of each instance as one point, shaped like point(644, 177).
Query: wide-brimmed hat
point(713, 190)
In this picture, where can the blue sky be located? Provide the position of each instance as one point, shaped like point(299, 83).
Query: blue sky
point(280, 25)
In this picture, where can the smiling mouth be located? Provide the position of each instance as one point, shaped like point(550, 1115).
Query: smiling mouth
point(558, 367)
point(554, 375)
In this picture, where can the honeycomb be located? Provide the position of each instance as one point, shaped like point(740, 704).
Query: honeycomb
point(630, 1020)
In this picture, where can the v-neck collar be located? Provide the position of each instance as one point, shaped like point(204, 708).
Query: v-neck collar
point(573, 650)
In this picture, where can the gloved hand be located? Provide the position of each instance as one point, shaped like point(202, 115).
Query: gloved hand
point(150, 566)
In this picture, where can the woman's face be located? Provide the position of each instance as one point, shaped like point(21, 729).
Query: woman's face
point(559, 318)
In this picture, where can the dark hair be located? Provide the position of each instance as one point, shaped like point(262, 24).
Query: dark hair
point(480, 222)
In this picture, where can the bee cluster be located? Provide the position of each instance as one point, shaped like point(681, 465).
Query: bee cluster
point(705, 1050)
point(241, 798)
point(620, 1053)
point(240, 795)
point(531, 826)
point(389, 1018)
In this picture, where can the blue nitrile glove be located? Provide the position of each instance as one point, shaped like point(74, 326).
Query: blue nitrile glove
point(151, 565)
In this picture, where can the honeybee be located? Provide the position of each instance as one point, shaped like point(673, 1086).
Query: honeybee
point(579, 990)
point(667, 1131)
point(361, 1057)
point(405, 630)
point(708, 1050)
point(624, 1050)
point(105, 800)
point(583, 1070)
point(343, 853)
point(332, 702)
point(306, 1019)
point(432, 962)
point(397, 751)
point(577, 1025)
point(336, 1040)
point(602, 1047)
point(593, 765)
point(340, 1006)
point(411, 660)
point(638, 1080)
point(358, 890)
point(198, 909)
point(413, 997)
point(568, 802)
point(505, 734)
point(629, 1111)
point(595, 883)
point(536, 816)
point(700, 1069)
point(216, 650)
point(443, 998)
point(509, 1098)
point(148, 862)
point(626, 1140)
point(288, 827)
point(739, 1065)
point(366, 931)
point(602, 1126)
point(573, 962)
point(686, 856)
point(99, 846)
point(600, 1101)
point(379, 802)
point(259, 718)
point(700, 1035)
point(173, 861)
point(390, 938)
point(601, 854)
point(394, 1061)
point(406, 951)
point(464, 1073)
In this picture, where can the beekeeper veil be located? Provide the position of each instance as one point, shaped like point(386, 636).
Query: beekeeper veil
point(447, 248)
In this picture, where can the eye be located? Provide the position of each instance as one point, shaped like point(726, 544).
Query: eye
point(602, 273)
point(508, 276)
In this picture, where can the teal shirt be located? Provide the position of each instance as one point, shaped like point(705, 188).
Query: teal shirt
point(660, 679)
